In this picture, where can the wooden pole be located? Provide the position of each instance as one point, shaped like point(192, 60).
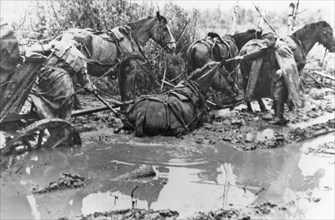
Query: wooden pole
point(260, 13)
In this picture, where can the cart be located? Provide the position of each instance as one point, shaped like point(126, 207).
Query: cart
point(26, 132)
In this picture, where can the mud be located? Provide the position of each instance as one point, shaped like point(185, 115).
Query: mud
point(129, 214)
point(236, 167)
point(66, 181)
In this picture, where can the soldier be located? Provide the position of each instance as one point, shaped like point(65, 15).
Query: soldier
point(53, 94)
point(285, 81)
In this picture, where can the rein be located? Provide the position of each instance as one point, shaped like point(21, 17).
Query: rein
point(300, 44)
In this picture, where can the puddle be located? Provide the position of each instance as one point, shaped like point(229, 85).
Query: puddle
point(189, 179)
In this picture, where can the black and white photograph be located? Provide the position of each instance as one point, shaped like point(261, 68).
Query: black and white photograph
point(167, 109)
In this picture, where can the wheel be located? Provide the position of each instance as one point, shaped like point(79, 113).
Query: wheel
point(46, 133)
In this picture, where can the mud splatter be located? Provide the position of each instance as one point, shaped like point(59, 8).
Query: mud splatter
point(301, 134)
point(128, 214)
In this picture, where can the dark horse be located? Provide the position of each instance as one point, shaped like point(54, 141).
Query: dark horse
point(113, 52)
point(216, 48)
point(301, 42)
point(178, 110)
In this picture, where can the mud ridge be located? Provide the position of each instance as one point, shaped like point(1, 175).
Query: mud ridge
point(66, 181)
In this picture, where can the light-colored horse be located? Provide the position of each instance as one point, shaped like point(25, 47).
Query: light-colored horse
point(115, 52)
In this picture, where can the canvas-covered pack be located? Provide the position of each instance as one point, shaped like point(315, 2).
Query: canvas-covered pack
point(220, 47)
point(177, 111)
point(103, 50)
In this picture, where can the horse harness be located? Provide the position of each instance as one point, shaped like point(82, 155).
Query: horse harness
point(215, 40)
point(116, 35)
point(179, 94)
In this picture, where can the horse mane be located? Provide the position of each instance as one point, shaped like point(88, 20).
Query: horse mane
point(307, 27)
point(136, 23)
point(213, 35)
point(243, 34)
point(198, 72)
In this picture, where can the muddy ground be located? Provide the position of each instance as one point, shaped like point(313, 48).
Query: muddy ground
point(237, 127)
point(240, 130)
point(236, 167)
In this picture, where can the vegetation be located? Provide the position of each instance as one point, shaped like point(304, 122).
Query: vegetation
point(44, 20)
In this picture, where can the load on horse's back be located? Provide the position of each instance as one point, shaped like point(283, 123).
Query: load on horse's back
point(257, 73)
point(179, 110)
point(218, 48)
point(112, 53)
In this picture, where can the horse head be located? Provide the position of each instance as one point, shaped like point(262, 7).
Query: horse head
point(326, 36)
point(212, 71)
point(243, 37)
point(310, 34)
point(9, 49)
point(160, 32)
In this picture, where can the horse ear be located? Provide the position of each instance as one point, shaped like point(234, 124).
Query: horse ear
point(158, 15)
point(324, 24)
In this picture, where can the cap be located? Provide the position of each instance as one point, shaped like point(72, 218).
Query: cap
point(268, 32)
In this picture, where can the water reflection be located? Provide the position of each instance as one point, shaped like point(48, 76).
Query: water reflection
point(188, 180)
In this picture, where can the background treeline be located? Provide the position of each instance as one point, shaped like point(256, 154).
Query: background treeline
point(44, 20)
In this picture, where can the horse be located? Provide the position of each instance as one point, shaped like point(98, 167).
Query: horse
point(216, 48)
point(301, 42)
point(177, 111)
point(115, 53)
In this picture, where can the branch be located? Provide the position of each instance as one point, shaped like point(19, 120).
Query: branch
point(257, 9)
point(330, 87)
point(298, 13)
point(23, 21)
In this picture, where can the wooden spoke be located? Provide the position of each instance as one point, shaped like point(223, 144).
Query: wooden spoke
point(46, 133)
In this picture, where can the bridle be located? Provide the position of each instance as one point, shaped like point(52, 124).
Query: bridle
point(232, 82)
point(164, 46)
point(327, 43)
point(167, 44)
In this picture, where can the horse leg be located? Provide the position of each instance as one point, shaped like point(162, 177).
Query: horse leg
point(126, 83)
point(139, 125)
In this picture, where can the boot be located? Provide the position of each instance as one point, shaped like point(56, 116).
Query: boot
point(269, 115)
point(279, 119)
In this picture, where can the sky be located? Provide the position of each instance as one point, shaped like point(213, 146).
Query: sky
point(264, 4)
point(12, 9)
